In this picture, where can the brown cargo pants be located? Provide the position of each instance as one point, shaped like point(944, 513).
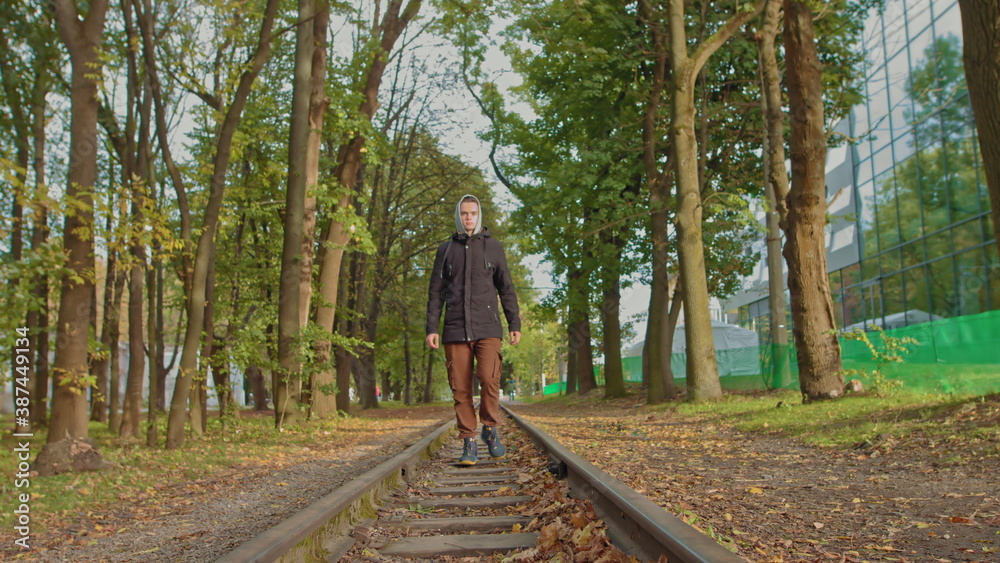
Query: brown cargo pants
point(458, 359)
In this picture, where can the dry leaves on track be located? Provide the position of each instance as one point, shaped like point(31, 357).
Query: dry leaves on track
point(775, 499)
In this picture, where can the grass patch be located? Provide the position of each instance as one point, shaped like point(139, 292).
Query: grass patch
point(839, 423)
point(842, 423)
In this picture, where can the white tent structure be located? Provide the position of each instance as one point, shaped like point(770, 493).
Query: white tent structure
point(737, 350)
point(724, 335)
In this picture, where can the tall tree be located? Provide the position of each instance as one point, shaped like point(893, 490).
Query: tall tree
point(318, 102)
point(196, 300)
point(155, 318)
point(82, 38)
point(614, 379)
point(656, 356)
point(805, 246)
point(337, 233)
point(776, 187)
point(288, 383)
point(702, 370)
point(981, 51)
point(138, 187)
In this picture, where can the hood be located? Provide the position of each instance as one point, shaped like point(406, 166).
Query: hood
point(459, 227)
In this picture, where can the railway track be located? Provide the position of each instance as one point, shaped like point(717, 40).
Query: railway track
point(421, 506)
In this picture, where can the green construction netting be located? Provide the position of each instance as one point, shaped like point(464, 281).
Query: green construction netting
point(552, 388)
point(954, 355)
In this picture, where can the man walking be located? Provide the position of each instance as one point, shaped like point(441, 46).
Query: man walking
point(470, 270)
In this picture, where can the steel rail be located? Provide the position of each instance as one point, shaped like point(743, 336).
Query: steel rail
point(635, 524)
point(304, 535)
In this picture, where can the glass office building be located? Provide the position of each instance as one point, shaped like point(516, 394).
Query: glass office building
point(910, 239)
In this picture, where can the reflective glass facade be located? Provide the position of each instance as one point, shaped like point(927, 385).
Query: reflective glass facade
point(912, 239)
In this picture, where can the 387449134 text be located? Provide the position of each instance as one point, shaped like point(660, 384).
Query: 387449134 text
point(22, 419)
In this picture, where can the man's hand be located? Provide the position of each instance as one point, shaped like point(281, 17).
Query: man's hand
point(432, 341)
point(515, 337)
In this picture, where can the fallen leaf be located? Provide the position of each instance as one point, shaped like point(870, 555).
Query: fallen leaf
point(959, 520)
point(817, 525)
point(755, 491)
point(547, 536)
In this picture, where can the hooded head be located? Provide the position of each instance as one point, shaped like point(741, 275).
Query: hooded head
point(468, 215)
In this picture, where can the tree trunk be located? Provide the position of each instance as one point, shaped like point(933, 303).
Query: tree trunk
point(114, 365)
point(110, 335)
point(206, 242)
point(702, 371)
point(671, 304)
point(256, 378)
point(337, 234)
point(981, 52)
point(155, 348)
point(364, 364)
point(288, 384)
point(318, 103)
point(614, 377)
point(83, 40)
point(38, 322)
point(586, 380)
point(655, 360)
point(161, 367)
point(580, 352)
point(805, 245)
point(99, 365)
point(667, 338)
point(220, 376)
point(367, 360)
point(346, 327)
point(139, 183)
point(124, 144)
point(572, 356)
point(776, 189)
point(145, 20)
point(199, 396)
point(407, 356)
point(132, 410)
point(37, 319)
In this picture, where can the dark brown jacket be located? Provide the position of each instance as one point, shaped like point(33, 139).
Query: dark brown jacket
point(469, 273)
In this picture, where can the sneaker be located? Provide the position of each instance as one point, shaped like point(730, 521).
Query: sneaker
point(492, 440)
point(470, 453)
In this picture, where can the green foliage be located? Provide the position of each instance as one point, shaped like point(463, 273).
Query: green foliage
point(885, 351)
point(839, 29)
